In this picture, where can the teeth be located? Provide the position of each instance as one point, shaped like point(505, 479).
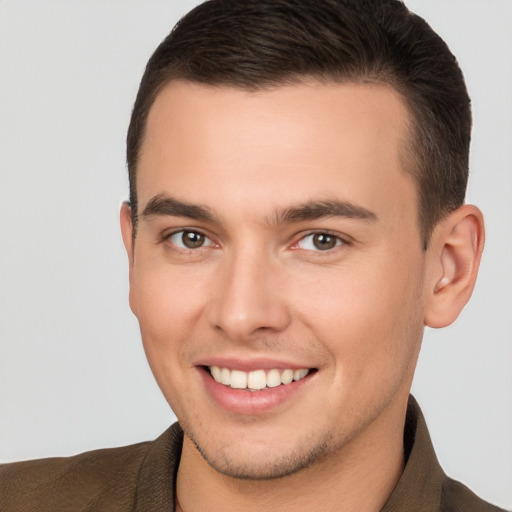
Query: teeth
point(257, 379)
point(238, 379)
point(216, 373)
point(274, 378)
point(286, 377)
point(225, 376)
point(299, 374)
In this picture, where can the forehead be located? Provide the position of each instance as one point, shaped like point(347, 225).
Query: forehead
point(287, 143)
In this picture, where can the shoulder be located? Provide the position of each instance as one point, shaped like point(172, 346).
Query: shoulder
point(456, 497)
point(139, 477)
point(424, 485)
point(73, 483)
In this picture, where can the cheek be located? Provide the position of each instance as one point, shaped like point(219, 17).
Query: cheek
point(168, 302)
point(168, 305)
point(368, 316)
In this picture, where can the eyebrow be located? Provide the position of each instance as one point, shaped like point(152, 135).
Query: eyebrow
point(313, 210)
point(163, 205)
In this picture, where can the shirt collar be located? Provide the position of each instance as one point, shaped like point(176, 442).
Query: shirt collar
point(421, 483)
point(418, 489)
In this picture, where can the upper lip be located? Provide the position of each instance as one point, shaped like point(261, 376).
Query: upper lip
point(251, 364)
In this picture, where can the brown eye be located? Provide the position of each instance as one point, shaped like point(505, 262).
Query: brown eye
point(189, 240)
point(319, 242)
point(192, 240)
point(324, 242)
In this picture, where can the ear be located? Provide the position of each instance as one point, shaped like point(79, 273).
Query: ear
point(455, 252)
point(127, 230)
point(129, 244)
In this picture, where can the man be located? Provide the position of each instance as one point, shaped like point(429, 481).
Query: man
point(296, 217)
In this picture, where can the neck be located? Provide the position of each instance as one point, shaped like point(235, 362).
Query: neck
point(360, 476)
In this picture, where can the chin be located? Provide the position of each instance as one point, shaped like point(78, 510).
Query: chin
point(264, 462)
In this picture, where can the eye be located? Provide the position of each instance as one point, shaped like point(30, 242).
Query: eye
point(319, 242)
point(187, 239)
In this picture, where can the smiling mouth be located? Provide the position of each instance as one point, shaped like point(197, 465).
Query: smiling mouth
point(257, 380)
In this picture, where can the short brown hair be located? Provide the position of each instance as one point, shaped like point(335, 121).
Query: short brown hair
point(253, 44)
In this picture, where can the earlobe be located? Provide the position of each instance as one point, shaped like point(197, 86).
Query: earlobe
point(456, 250)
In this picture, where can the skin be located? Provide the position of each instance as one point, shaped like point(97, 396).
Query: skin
point(259, 290)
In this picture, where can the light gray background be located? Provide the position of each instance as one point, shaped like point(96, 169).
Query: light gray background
point(73, 375)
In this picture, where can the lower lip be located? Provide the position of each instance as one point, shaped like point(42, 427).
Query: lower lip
point(247, 402)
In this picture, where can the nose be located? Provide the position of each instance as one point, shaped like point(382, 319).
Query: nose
point(250, 299)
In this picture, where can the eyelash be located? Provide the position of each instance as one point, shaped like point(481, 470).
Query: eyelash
point(181, 247)
point(207, 241)
point(339, 241)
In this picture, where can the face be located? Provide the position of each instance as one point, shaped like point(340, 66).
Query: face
point(278, 240)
